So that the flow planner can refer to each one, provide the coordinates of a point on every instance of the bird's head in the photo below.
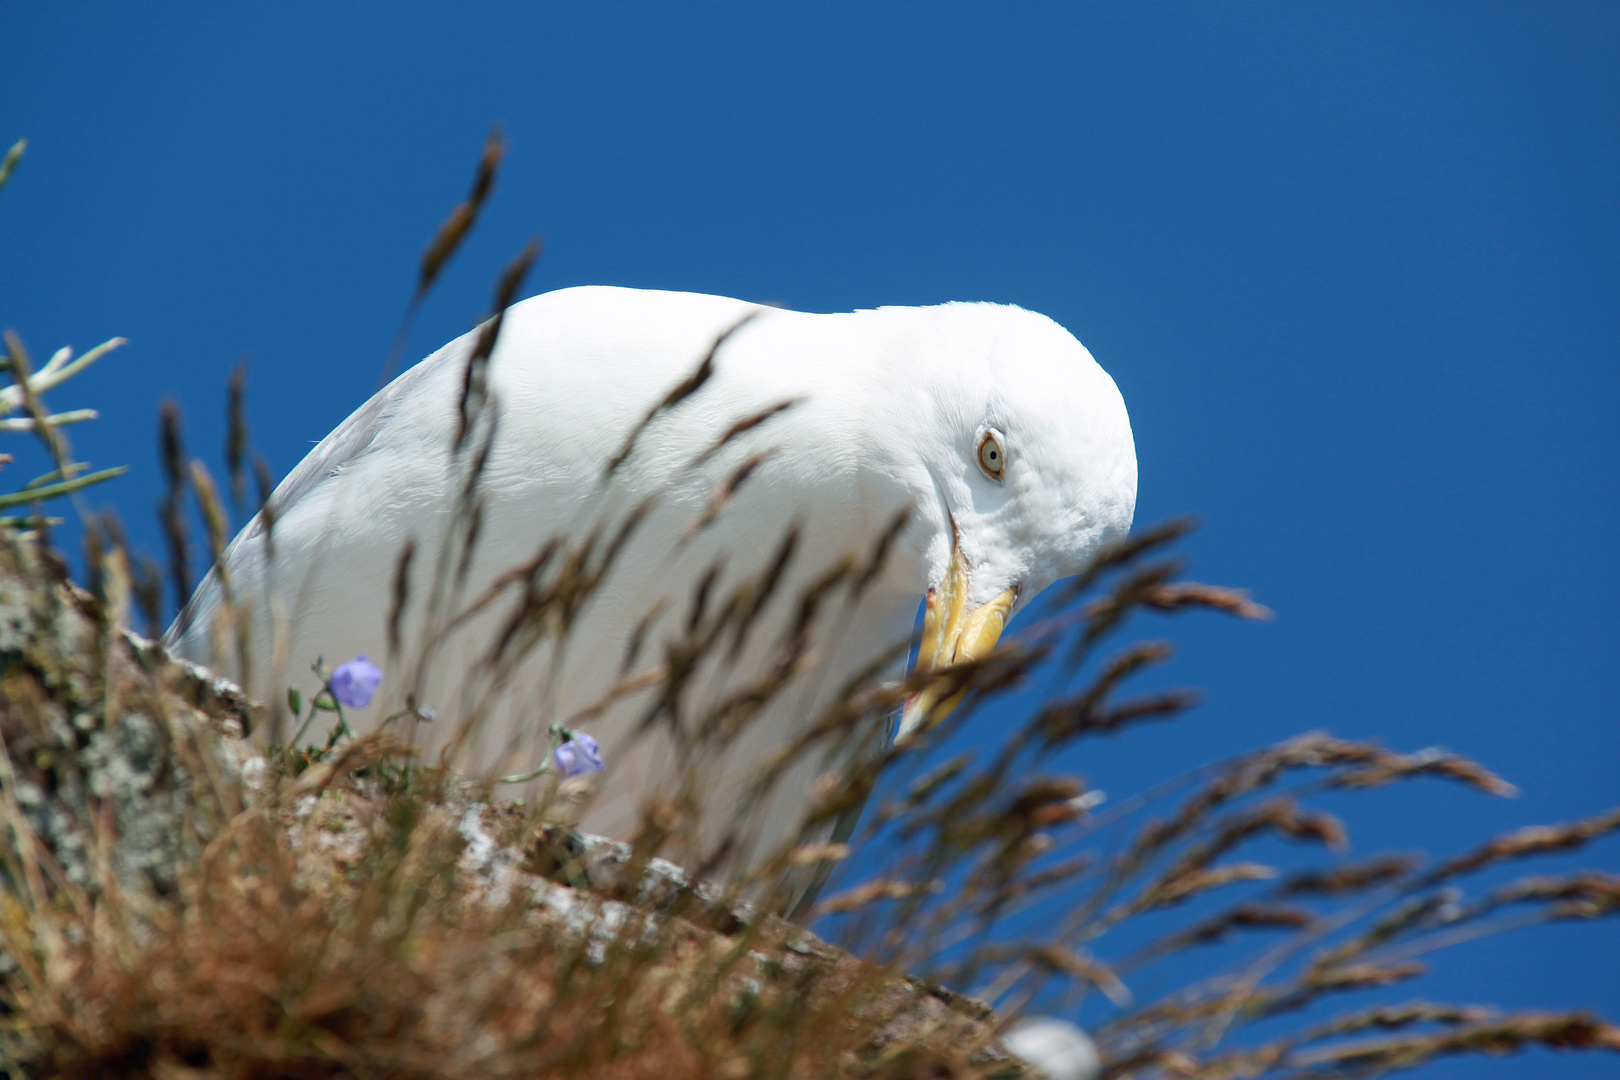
(1022, 464)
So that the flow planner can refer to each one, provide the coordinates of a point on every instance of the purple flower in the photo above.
(354, 683)
(579, 754)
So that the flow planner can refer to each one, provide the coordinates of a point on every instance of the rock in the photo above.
(104, 736)
(122, 767)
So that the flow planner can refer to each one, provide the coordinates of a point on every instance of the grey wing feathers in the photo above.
(843, 827)
(346, 444)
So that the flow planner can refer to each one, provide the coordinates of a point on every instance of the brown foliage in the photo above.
(174, 905)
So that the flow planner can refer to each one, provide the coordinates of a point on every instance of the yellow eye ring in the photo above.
(992, 455)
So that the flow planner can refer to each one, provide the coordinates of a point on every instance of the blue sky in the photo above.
(1354, 267)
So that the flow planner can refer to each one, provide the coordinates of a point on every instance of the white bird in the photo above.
(983, 437)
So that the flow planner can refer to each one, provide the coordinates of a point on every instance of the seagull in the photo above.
(813, 478)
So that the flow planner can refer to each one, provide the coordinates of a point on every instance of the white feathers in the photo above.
(836, 426)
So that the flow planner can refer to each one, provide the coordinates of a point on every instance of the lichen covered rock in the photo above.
(104, 735)
(172, 902)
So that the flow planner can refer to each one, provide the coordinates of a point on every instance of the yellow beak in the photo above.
(952, 634)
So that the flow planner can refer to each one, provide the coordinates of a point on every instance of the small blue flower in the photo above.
(354, 683)
(579, 754)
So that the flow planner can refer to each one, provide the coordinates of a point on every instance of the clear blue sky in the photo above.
(1353, 265)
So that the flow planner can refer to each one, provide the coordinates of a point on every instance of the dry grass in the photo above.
(343, 912)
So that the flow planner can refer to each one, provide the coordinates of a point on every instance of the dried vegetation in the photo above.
(175, 904)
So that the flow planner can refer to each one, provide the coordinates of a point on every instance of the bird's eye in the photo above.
(992, 458)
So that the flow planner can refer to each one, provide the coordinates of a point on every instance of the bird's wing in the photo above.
(843, 827)
(345, 445)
